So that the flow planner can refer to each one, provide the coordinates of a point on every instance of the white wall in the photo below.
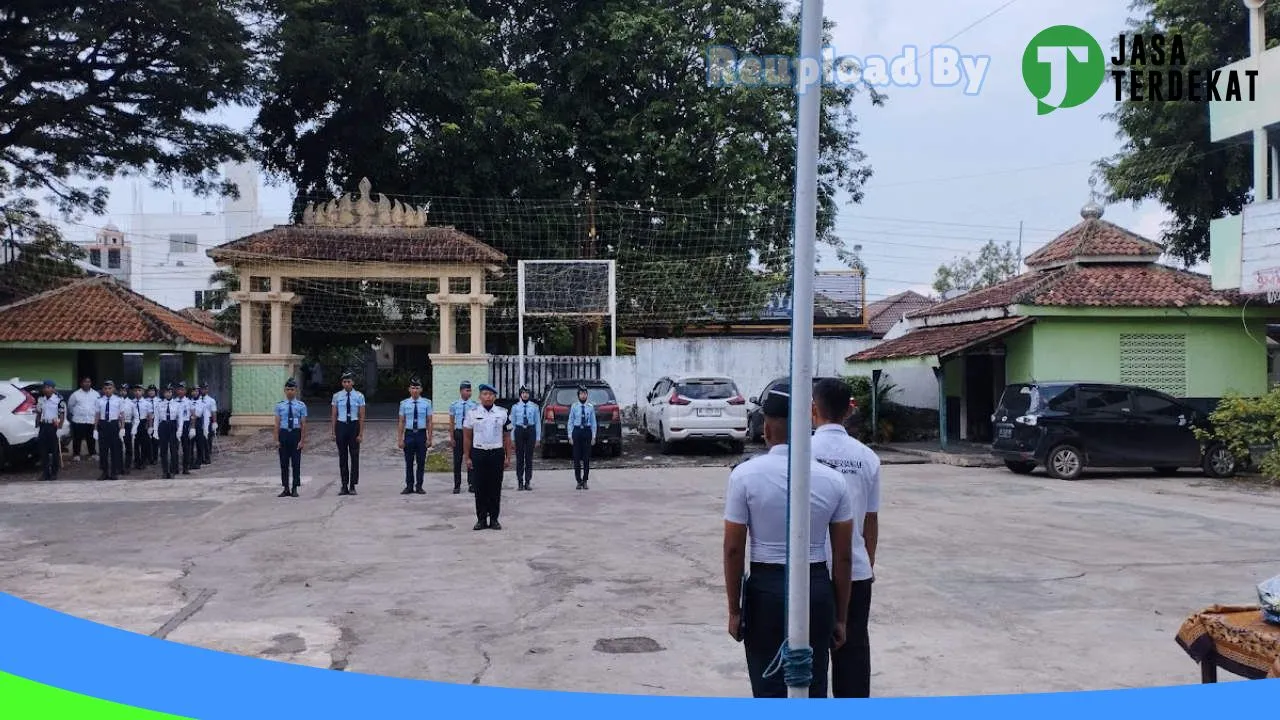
(751, 362)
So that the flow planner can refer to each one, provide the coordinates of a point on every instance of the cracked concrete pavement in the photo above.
(987, 582)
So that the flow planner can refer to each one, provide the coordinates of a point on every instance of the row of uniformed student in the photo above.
(844, 502)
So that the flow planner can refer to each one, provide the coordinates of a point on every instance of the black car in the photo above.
(1069, 426)
(557, 398)
(755, 416)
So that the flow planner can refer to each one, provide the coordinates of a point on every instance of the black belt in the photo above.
(773, 567)
(347, 422)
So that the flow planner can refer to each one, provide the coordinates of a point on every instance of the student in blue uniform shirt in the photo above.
(414, 428)
(291, 437)
(527, 423)
(185, 430)
(109, 432)
(582, 436)
(347, 422)
(458, 410)
(51, 412)
(170, 416)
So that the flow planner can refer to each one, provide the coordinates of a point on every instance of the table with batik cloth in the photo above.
(1234, 638)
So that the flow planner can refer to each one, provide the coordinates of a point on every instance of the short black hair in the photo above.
(832, 397)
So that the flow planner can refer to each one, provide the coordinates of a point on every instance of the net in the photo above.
(566, 287)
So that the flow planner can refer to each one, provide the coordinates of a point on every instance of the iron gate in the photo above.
(504, 372)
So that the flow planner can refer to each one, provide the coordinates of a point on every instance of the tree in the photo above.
(993, 265)
(602, 107)
(36, 258)
(1167, 155)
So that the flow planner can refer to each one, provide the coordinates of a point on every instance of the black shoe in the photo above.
(294, 493)
(284, 493)
(407, 491)
(167, 476)
(344, 491)
(186, 472)
(481, 525)
(419, 491)
(584, 486)
(471, 488)
(352, 491)
(102, 476)
(495, 525)
(457, 491)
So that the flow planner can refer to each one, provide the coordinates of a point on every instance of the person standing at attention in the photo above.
(458, 410)
(143, 409)
(210, 424)
(756, 509)
(347, 423)
(414, 430)
(291, 437)
(582, 437)
(526, 419)
(153, 398)
(82, 406)
(835, 448)
(109, 432)
(169, 419)
(487, 446)
(51, 412)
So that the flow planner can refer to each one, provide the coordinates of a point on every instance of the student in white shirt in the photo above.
(82, 409)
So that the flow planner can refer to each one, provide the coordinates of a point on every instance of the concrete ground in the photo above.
(987, 582)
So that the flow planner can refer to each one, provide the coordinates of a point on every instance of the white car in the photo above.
(18, 433)
(695, 407)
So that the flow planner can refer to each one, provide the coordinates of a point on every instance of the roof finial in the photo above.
(1092, 210)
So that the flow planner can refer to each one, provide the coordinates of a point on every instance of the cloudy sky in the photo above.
(951, 170)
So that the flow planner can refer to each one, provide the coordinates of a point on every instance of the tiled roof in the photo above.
(1096, 238)
(836, 296)
(100, 310)
(882, 315)
(401, 245)
(942, 340)
(1103, 285)
(204, 317)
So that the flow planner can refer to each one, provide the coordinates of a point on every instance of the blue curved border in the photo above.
(80, 656)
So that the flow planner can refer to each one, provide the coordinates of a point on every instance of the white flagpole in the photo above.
(809, 100)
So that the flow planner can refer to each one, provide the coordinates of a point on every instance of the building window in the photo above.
(113, 259)
(1155, 360)
(95, 258)
(182, 243)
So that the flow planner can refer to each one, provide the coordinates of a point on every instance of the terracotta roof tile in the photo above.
(941, 340)
(100, 310)
(1001, 295)
(882, 315)
(427, 244)
(1149, 285)
(1094, 237)
(199, 315)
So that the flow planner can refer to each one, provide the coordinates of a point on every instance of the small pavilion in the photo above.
(363, 235)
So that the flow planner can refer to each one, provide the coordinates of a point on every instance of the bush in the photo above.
(1248, 426)
(888, 412)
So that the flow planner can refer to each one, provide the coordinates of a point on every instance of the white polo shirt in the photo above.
(757, 498)
(860, 467)
(83, 406)
(487, 427)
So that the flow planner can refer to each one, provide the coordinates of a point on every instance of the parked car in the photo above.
(1069, 426)
(694, 407)
(557, 398)
(755, 417)
(18, 435)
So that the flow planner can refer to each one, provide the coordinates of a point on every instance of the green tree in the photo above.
(35, 256)
(602, 107)
(993, 264)
(1167, 155)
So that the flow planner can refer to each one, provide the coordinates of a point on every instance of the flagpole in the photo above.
(809, 101)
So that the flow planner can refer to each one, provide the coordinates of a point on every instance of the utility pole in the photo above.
(1019, 268)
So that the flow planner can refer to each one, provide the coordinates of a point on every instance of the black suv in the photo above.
(755, 416)
(560, 395)
(1067, 427)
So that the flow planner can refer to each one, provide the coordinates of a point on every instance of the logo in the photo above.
(1063, 67)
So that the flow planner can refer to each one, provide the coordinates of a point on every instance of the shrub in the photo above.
(1247, 426)
(888, 412)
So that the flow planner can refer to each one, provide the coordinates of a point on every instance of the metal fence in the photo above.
(504, 372)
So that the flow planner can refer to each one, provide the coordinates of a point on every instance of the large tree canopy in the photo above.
(1167, 155)
(602, 106)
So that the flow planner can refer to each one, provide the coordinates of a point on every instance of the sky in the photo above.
(951, 171)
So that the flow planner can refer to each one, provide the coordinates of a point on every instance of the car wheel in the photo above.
(664, 445)
(4, 454)
(1219, 462)
(1065, 463)
(648, 436)
(1166, 471)
(615, 450)
(737, 447)
(1019, 467)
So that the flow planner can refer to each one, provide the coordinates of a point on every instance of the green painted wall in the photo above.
(1221, 356)
(953, 376)
(37, 365)
(1019, 359)
(255, 389)
(446, 378)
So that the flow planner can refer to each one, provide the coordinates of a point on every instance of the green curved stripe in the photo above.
(22, 699)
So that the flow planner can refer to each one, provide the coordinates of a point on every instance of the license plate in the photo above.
(1006, 432)
(560, 426)
(708, 412)
(604, 426)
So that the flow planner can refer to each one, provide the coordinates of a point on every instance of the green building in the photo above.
(1095, 305)
(93, 328)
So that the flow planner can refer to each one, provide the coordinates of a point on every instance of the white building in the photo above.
(166, 251)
